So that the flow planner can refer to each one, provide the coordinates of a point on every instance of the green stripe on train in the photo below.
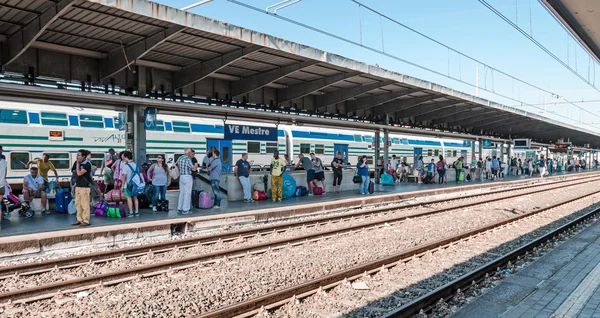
(176, 142)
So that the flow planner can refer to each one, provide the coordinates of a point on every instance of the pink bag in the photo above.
(205, 200)
(13, 199)
(114, 195)
(317, 191)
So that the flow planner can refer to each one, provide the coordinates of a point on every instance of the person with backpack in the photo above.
(337, 164)
(363, 171)
(458, 167)
(277, 170)
(83, 176)
(306, 163)
(319, 172)
(160, 178)
(133, 184)
(441, 169)
(215, 177)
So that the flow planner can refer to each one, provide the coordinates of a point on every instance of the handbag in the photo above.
(357, 179)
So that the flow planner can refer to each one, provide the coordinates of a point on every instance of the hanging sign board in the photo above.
(245, 132)
(522, 143)
(150, 118)
(56, 135)
(467, 143)
(487, 144)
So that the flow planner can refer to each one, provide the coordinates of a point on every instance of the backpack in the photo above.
(440, 165)
(301, 191)
(136, 184)
(387, 179)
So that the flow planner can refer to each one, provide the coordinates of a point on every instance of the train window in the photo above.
(225, 155)
(357, 138)
(304, 149)
(319, 149)
(117, 122)
(54, 119)
(97, 158)
(9, 116)
(18, 160)
(253, 147)
(176, 156)
(453, 153)
(272, 147)
(160, 126)
(91, 121)
(369, 138)
(181, 126)
(152, 157)
(430, 152)
(436, 153)
(61, 160)
(448, 153)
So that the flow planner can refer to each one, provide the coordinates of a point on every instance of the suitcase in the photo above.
(205, 200)
(195, 200)
(427, 179)
(63, 198)
(162, 205)
(371, 187)
(318, 191)
(143, 201)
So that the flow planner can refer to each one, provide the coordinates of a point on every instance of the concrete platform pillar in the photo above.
(472, 152)
(386, 148)
(480, 149)
(501, 151)
(136, 133)
(376, 163)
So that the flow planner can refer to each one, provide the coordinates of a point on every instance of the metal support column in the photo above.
(481, 149)
(473, 155)
(386, 149)
(136, 133)
(509, 152)
(376, 161)
(501, 152)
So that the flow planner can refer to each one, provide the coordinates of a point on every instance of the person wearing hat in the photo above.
(277, 170)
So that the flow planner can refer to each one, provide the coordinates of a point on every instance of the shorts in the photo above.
(2, 190)
(320, 175)
(310, 175)
(35, 195)
(126, 193)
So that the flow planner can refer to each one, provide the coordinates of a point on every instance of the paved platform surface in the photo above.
(563, 283)
(19, 225)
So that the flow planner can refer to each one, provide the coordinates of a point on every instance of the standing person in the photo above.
(488, 168)
(3, 188)
(319, 173)
(44, 166)
(288, 162)
(543, 166)
(530, 167)
(215, 177)
(495, 167)
(127, 174)
(363, 171)
(207, 160)
(337, 165)
(458, 166)
(479, 170)
(520, 166)
(83, 176)
(441, 169)
(576, 162)
(242, 173)
(394, 166)
(33, 187)
(277, 169)
(513, 166)
(1, 155)
(159, 175)
(117, 168)
(185, 181)
(420, 167)
(310, 171)
(106, 168)
(431, 168)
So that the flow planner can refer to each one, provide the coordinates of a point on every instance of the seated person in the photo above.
(33, 187)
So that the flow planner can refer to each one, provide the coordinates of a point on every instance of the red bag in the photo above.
(318, 191)
(101, 186)
(262, 195)
(115, 195)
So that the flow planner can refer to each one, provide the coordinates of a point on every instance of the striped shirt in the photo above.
(185, 166)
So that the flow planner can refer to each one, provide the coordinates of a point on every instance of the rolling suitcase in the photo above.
(205, 200)
(371, 187)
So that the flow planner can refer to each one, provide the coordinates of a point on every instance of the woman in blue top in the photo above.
(363, 171)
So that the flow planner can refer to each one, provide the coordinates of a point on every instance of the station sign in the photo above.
(487, 144)
(56, 135)
(467, 143)
(245, 132)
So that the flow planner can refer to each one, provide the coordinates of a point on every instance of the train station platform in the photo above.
(55, 227)
(563, 283)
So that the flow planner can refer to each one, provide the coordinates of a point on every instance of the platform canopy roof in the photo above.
(108, 42)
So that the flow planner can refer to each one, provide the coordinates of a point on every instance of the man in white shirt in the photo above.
(3, 189)
(33, 187)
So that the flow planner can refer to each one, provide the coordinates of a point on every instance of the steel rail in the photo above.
(283, 296)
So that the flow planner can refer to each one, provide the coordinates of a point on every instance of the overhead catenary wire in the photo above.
(306, 26)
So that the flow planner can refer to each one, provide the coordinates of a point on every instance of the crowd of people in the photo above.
(118, 171)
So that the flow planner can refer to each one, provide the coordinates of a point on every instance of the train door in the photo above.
(343, 149)
(224, 147)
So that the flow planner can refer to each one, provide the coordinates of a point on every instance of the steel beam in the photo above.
(395, 106)
(474, 118)
(201, 70)
(263, 79)
(345, 94)
(300, 90)
(507, 126)
(426, 109)
(120, 60)
(376, 100)
(498, 121)
(19, 42)
(439, 115)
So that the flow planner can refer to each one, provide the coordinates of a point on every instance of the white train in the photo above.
(29, 130)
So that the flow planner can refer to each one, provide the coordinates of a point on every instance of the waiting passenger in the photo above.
(319, 173)
(394, 166)
(215, 177)
(479, 169)
(310, 171)
(495, 167)
(363, 171)
(206, 161)
(160, 178)
(83, 177)
(431, 168)
(33, 187)
(420, 167)
(543, 166)
(530, 167)
(1, 155)
(106, 172)
(44, 165)
(3, 188)
(127, 174)
(288, 162)
(242, 173)
(337, 164)
(441, 169)
(277, 169)
(185, 181)
(458, 167)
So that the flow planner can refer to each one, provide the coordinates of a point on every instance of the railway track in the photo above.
(426, 303)
(74, 285)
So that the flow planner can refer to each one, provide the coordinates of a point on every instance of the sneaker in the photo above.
(179, 212)
(279, 200)
(153, 209)
(186, 212)
(130, 215)
(46, 212)
(137, 213)
(216, 207)
(274, 200)
(310, 194)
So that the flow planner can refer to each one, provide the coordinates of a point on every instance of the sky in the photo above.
(466, 26)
